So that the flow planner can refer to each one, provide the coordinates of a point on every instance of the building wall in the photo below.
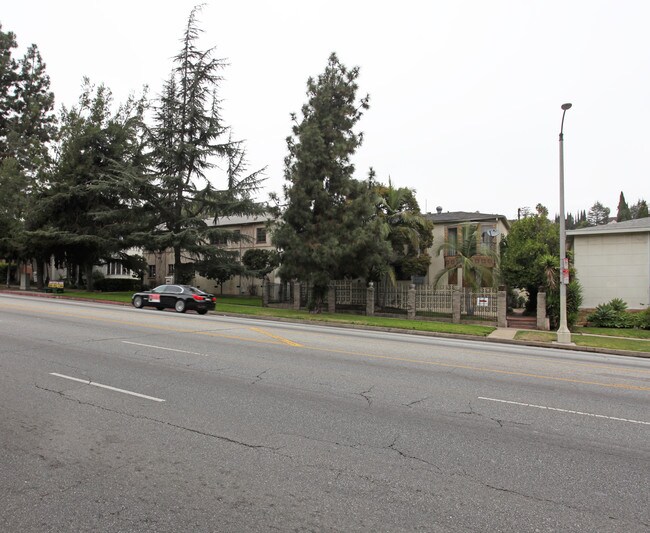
(614, 266)
(440, 237)
(162, 262)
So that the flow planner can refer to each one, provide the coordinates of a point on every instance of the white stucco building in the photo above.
(613, 261)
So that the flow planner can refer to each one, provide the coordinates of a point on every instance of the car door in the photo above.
(171, 295)
(155, 297)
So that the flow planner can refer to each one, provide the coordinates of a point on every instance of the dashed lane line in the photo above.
(115, 389)
(567, 411)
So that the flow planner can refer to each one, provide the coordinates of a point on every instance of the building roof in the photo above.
(241, 220)
(638, 225)
(451, 217)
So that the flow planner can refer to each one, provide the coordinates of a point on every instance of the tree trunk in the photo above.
(40, 274)
(89, 277)
(8, 273)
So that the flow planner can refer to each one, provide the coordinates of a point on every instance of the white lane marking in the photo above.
(569, 411)
(163, 348)
(88, 382)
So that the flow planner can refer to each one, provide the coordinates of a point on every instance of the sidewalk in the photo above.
(503, 334)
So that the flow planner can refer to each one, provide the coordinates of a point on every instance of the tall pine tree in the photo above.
(190, 144)
(639, 210)
(329, 229)
(623, 212)
(85, 217)
(27, 127)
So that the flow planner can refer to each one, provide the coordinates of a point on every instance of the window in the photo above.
(452, 277)
(117, 269)
(452, 241)
(261, 236)
(152, 271)
(237, 235)
(488, 238)
(170, 269)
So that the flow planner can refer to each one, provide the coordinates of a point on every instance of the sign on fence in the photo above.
(482, 301)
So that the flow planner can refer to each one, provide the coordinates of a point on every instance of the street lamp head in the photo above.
(566, 106)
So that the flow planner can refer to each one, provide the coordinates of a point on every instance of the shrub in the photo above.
(612, 315)
(573, 303)
(643, 319)
(618, 304)
(117, 284)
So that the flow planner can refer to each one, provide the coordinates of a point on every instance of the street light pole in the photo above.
(563, 333)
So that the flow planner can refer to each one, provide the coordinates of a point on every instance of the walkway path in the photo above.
(503, 333)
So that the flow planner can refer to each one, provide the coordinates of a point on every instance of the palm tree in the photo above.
(467, 252)
(409, 232)
(474, 273)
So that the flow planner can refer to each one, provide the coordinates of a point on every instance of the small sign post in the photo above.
(565, 271)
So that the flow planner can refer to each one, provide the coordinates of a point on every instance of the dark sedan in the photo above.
(179, 297)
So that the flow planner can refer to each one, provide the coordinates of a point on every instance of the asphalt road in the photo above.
(116, 419)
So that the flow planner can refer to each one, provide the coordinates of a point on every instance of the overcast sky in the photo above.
(465, 95)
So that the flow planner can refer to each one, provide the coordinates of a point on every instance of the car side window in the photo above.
(160, 289)
(174, 289)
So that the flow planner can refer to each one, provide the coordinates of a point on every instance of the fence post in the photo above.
(502, 309)
(455, 307)
(542, 322)
(296, 295)
(410, 303)
(370, 299)
(331, 298)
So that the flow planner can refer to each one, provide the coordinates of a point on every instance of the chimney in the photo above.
(439, 209)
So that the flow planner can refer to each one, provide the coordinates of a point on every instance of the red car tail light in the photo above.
(198, 298)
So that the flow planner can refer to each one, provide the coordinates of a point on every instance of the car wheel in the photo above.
(137, 302)
(201, 311)
(180, 306)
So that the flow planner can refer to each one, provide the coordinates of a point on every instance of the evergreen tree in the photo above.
(598, 214)
(623, 212)
(259, 262)
(329, 229)
(582, 220)
(188, 139)
(8, 82)
(27, 126)
(84, 214)
(639, 210)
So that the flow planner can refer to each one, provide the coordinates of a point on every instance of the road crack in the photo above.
(365, 393)
(393, 447)
(165, 423)
(258, 378)
(411, 404)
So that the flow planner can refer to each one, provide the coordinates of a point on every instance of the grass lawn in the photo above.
(252, 306)
(109, 296)
(633, 345)
(617, 332)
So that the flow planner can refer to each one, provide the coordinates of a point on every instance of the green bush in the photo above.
(613, 315)
(618, 304)
(117, 284)
(573, 303)
(643, 319)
